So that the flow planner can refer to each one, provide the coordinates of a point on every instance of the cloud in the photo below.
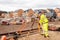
(10, 5)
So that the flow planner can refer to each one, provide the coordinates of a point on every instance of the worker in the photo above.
(44, 22)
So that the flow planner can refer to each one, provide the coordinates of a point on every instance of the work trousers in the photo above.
(45, 29)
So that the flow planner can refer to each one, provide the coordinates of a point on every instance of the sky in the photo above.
(11, 5)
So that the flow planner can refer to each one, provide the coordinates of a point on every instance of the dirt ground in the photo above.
(53, 35)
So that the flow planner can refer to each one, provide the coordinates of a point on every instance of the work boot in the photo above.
(46, 36)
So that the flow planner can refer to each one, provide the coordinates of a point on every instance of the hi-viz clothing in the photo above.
(44, 22)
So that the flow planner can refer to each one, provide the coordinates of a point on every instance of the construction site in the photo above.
(24, 24)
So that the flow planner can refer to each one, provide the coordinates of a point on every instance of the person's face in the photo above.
(42, 12)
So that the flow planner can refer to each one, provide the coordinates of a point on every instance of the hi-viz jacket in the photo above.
(43, 19)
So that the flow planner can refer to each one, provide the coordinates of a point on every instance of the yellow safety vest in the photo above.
(43, 19)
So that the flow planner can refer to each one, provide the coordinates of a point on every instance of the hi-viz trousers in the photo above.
(45, 29)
